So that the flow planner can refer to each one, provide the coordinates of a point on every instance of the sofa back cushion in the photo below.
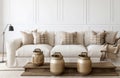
(51, 37)
(80, 37)
(86, 38)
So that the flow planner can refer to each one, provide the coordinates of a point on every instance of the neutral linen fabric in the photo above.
(69, 50)
(11, 47)
(112, 51)
(22, 61)
(118, 41)
(40, 37)
(86, 38)
(64, 38)
(15, 57)
(97, 37)
(27, 50)
(51, 36)
(95, 50)
(27, 38)
(110, 37)
(80, 38)
(68, 38)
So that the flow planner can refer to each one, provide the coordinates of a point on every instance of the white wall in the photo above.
(1, 23)
(70, 15)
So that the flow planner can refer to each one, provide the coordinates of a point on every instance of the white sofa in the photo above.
(18, 55)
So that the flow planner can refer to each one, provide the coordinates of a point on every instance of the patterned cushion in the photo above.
(68, 38)
(40, 37)
(27, 38)
(97, 38)
(110, 37)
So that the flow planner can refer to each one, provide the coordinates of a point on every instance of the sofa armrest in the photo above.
(11, 47)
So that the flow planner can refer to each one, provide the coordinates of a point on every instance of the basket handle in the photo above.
(84, 53)
(57, 54)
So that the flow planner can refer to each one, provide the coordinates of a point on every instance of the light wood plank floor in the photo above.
(16, 74)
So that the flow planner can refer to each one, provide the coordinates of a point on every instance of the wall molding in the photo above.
(111, 20)
(60, 10)
(106, 14)
(11, 14)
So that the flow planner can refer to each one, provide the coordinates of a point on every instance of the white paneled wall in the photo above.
(98, 11)
(47, 11)
(72, 11)
(58, 15)
(22, 11)
(1, 20)
(115, 11)
(65, 12)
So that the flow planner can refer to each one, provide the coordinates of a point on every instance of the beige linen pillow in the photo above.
(40, 37)
(68, 38)
(110, 37)
(97, 37)
(27, 38)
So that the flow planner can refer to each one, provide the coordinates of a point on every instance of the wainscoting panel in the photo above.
(73, 11)
(98, 11)
(115, 11)
(22, 11)
(47, 11)
(101, 27)
(1, 13)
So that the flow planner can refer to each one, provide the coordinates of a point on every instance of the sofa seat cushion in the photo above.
(69, 50)
(27, 50)
(95, 50)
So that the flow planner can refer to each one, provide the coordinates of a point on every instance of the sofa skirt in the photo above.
(21, 61)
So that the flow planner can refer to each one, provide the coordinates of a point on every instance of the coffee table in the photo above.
(98, 69)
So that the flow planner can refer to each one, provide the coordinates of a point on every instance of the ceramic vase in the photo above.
(84, 65)
(57, 64)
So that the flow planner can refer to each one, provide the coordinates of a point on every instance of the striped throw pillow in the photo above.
(68, 38)
(40, 37)
(97, 37)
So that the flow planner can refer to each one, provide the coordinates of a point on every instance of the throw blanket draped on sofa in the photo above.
(109, 51)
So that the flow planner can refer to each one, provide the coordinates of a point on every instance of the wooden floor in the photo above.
(17, 74)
